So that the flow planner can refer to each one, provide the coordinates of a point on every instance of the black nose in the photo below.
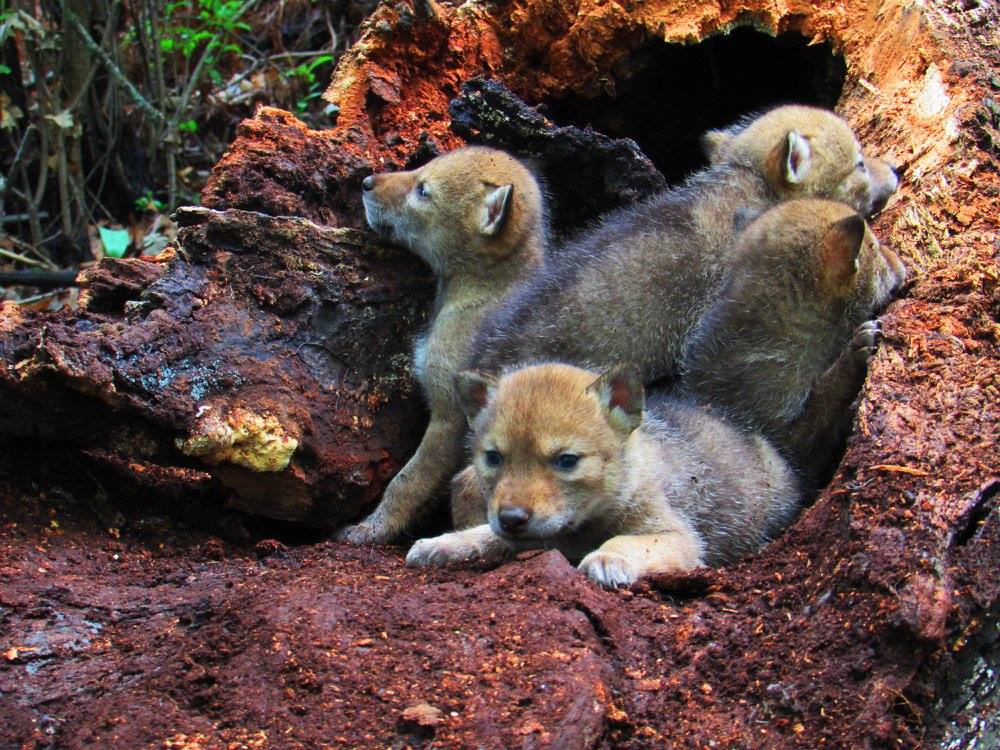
(514, 518)
(368, 183)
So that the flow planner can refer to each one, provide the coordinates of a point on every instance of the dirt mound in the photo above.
(872, 622)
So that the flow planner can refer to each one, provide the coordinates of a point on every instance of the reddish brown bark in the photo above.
(851, 630)
(250, 349)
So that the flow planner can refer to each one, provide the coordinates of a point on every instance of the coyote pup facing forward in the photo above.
(476, 216)
(566, 460)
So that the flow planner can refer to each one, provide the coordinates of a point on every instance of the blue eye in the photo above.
(493, 458)
(422, 191)
(566, 461)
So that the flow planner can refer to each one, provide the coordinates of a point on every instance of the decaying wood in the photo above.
(861, 626)
(249, 353)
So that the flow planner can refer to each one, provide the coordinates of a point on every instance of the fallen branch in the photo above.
(39, 279)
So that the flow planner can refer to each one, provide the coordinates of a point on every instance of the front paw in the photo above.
(609, 569)
(370, 531)
(865, 341)
(441, 550)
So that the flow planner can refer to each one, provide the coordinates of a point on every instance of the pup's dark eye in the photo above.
(566, 461)
(861, 165)
(422, 191)
(493, 458)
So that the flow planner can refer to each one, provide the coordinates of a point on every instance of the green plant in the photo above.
(148, 204)
(307, 72)
(211, 26)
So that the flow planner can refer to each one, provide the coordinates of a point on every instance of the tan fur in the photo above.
(786, 346)
(633, 288)
(838, 169)
(674, 490)
(476, 216)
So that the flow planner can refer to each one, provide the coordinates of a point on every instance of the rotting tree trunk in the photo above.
(248, 355)
(851, 630)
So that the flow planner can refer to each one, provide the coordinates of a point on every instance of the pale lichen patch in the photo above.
(257, 442)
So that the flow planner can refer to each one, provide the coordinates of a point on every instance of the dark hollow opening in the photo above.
(680, 91)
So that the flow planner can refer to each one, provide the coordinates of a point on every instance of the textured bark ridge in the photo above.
(247, 356)
(871, 622)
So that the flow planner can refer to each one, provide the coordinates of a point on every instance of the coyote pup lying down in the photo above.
(632, 288)
(568, 460)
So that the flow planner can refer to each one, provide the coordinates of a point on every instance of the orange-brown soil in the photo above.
(857, 628)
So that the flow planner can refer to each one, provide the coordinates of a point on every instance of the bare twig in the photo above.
(37, 298)
(109, 31)
(110, 66)
(42, 260)
(39, 279)
(18, 218)
(11, 255)
(7, 183)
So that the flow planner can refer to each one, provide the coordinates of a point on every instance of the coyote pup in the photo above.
(632, 289)
(787, 344)
(476, 216)
(566, 460)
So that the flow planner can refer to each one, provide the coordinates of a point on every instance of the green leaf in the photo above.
(317, 61)
(188, 126)
(4, 70)
(115, 241)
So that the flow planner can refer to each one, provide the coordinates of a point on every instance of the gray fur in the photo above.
(630, 290)
(731, 484)
(782, 351)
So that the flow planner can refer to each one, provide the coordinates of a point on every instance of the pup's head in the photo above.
(820, 253)
(464, 209)
(548, 446)
(806, 152)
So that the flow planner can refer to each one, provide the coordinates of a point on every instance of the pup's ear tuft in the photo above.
(841, 248)
(621, 394)
(473, 390)
(798, 155)
(496, 208)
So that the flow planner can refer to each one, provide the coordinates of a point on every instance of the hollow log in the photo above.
(249, 354)
(871, 622)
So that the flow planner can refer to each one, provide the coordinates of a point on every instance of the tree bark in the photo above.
(856, 628)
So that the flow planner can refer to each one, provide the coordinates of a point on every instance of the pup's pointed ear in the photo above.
(473, 390)
(798, 155)
(712, 142)
(841, 248)
(496, 207)
(621, 394)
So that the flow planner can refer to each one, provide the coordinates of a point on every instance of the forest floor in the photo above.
(122, 628)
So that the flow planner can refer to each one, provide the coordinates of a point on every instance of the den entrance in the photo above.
(681, 91)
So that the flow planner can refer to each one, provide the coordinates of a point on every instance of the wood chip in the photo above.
(423, 714)
(901, 470)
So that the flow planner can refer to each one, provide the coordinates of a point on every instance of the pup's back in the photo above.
(806, 274)
(632, 289)
(629, 290)
(734, 486)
